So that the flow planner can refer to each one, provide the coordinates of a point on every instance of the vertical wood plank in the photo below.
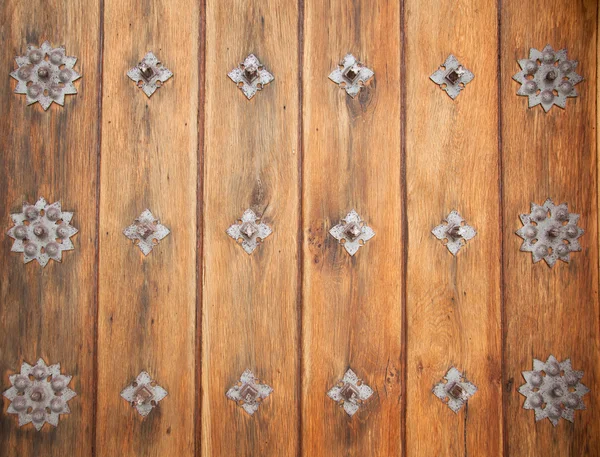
(352, 305)
(454, 303)
(50, 312)
(147, 305)
(550, 311)
(251, 159)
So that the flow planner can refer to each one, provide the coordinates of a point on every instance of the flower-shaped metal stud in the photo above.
(249, 231)
(39, 394)
(45, 75)
(553, 390)
(350, 393)
(42, 232)
(149, 74)
(454, 390)
(452, 77)
(352, 232)
(251, 76)
(248, 392)
(454, 232)
(351, 75)
(146, 231)
(550, 232)
(548, 78)
(143, 394)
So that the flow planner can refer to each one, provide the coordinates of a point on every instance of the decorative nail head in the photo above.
(352, 232)
(454, 390)
(143, 394)
(454, 232)
(146, 231)
(350, 393)
(251, 76)
(149, 74)
(351, 75)
(249, 231)
(248, 392)
(452, 77)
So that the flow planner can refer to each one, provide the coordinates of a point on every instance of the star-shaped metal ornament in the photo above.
(350, 393)
(251, 76)
(249, 231)
(149, 74)
(455, 390)
(39, 394)
(352, 232)
(45, 75)
(144, 394)
(249, 393)
(452, 77)
(454, 232)
(351, 75)
(553, 390)
(146, 231)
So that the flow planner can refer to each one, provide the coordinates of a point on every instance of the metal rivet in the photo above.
(553, 240)
(143, 394)
(39, 404)
(38, 78)
(249, 393)
(249, 232)
(149, 74)
(454, 232)
(250, 76)
(146, 231)
(350, 393)
(555, 82)
(352, 232)
(455, 390)
(351, 75)
(452, 77)
(557, 394)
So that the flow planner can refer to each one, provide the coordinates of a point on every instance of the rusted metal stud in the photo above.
(144, 394)
(149, 74)
(452, 77)
(249, 231)
(454, 232)
(350, 393)
(352, 232)
(39, 394)
(454, 390)
(248, 392)
(146, 231)
(351, 75)
(251, 76)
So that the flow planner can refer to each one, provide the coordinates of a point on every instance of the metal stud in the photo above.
(144, 394)
(454, 390)
(350, 393)
(39, 394)
(351, 75)
(248, 392)
(352, 232)
(249, 231)
(548, 78)
(149, 74)
(454, 232)
(250, 76)
(146, 231)
(452, 77)
(45, 75)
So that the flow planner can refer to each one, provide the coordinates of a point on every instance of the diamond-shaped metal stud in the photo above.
(455, 390)
(42, 232)
(45, 75)
(351, 75)
(249, 393)
(547, 78)
(454, 232)
(350, 393)
(149, 74)
(143, 394)
(250, 76)
(452, 77)
(249, 231)
(352, 232)
(39, 394)
(550, 232)
(553, 390)
(146, 231)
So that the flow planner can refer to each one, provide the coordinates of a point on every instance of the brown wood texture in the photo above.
(251, 160)
(50, 312)
(352, 305)
(550, 311)
(147, 305)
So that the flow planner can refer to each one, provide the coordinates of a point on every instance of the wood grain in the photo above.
(149, 160)
(550, 311)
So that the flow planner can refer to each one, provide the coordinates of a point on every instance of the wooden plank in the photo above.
(149, 160)
(352, 305)
(251, 160)
(550, 311)
(453, 302)
(50, 312)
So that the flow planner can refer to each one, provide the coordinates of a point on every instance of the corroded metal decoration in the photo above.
(454, 390)
(352, 232)
(42, 232)
(351, 75)
(550, 232)
(39, 394)
(146, 231)
(452, 77)
(251, 76)
(45, 75)
(548, 78)
(143, 394)
(454, 232)
(149, 74)
(350, 393)
(248, 392)
(249, 231)
(553, 390)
